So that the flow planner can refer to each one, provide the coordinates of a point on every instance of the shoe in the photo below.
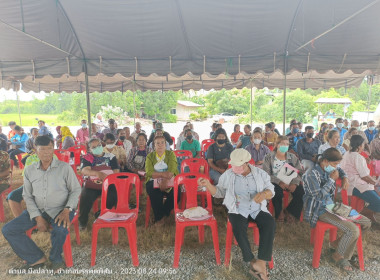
(57, 267)
(82, 227)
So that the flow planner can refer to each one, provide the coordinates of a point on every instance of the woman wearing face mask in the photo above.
(361, 183)
(273, 164)
(333, 140)
(160, 168)
(319, 185)
(218, 154)
(191, 144)
(96, 164)
(118, 151)
(245, 190)
(137, 156)
(257, 149)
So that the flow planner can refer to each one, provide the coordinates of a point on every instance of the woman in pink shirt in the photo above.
(361, 183)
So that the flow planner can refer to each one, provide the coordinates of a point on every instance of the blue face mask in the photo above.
(339, 125)
(329, 168)
(97, 151)
(371, 128)
(295, 130)
(283, 149)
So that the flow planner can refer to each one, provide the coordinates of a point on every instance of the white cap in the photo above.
(239, 157)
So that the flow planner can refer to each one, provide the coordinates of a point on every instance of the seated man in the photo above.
(293, 137)
(91, 166)
(51, 192)
(83, 133)
(123, 142)
(307, 148)
(165, 134)
(191, 144)
(245, 139)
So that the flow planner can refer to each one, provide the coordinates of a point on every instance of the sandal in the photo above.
(344, 265)
(257, 275)
(28, 266)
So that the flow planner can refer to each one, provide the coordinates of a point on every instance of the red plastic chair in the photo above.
(256, 239)
(62, 155)
(78, 150)
(194, 165)
(357, 203)
(19, 158)
(205, 145)
(67, 252)
(189, 181)
(123, 182)
(317, 236)
(174, 147)
(183, 153)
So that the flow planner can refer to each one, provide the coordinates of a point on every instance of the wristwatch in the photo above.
(68, 207)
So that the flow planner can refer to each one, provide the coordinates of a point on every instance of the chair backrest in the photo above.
(183, 153)
(206, 144)
(190, 182)
(62, 155)
(123, 183)
(194, 164)
(78, 150)
(174, 147)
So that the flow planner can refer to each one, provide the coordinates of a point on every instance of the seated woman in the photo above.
(257, 149)
(321, 133)
(270, 137)
(236, 135)
(160, 168)
(346, 143)
(319, 185)
(137, 156)
(18, 143)
(273, 165)
(333, 140)
(218, 154)
(67, 138)
(375, 147)
(361, 183)
(118, 151)
(245, 190)
(181, 138)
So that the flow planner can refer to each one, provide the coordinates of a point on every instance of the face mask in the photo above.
(324, 129)
(339, 125)
(110, 146)
(122, 138)
(153, 130)
(238, 169)
(310, 135)
(257, 141)
(371, 128)
(295, 130)
(84, 125)
(189, 137)
(221, 141)
(329, 168)
(283, 149)
(97, 151)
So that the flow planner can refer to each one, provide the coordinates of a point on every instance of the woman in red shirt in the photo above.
(236, 135)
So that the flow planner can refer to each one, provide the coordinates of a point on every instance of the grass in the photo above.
(31, 119)
(295, 237)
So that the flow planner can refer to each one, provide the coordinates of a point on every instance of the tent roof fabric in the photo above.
(179, 44)
(188, 103)
(334, 100)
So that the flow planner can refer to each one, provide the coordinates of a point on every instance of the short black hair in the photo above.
(109, 136)
(111, 121)
(309, 127)
(355, 142)
(119, 130)
(17, 127)
(11, 123)
(41, 121)
(338, 120)
(43, 141)
(187, 130)
(269, 125)
(142, 134)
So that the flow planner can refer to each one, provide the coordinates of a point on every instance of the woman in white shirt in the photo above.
(333, 140)
(361, 183)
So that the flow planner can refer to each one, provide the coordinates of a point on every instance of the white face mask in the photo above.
(257, 141)
(110, 146)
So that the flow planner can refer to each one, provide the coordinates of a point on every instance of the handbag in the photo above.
(341, 209)
(287, 173)
(95, 183)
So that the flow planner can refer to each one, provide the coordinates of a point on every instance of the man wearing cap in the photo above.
(245, 190)
(137, 131)
(111, 128)
(166, 135)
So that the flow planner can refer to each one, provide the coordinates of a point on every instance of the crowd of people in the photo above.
(247, 170)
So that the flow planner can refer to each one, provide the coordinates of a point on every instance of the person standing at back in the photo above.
(245, 139)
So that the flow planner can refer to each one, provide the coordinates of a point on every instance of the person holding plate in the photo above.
(160, 168)
(246, 189)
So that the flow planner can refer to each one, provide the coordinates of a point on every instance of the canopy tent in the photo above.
(333, 101)
(178, 44)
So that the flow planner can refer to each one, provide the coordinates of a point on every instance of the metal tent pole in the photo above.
(88, 101)
(370, 81)
(134, 104)
(251, 103)
(18, 103)
(284, 100)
